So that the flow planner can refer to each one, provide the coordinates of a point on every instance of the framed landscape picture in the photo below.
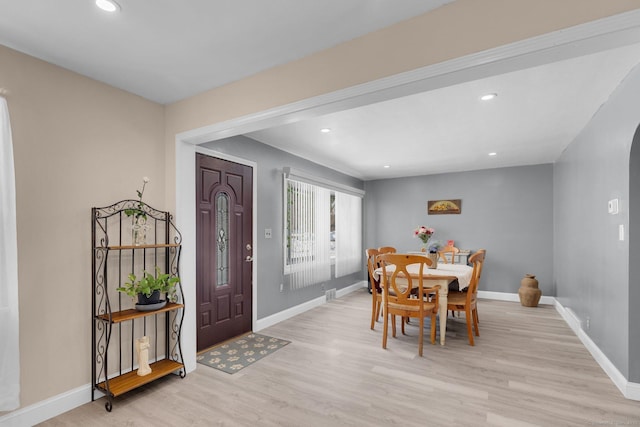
(442, 207)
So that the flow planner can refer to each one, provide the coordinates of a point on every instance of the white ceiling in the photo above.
(178, 49)
(537, 113)
(167, 50)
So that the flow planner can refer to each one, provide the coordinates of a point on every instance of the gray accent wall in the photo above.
(507, 211)
(270, 259)
(592, 272)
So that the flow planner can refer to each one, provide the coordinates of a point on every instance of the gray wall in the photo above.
(269, 263)
(592, 266)
(634, 259)
(507, 211)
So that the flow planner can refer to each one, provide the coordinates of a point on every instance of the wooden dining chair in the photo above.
(387, 250)
(376, 290)
(448, 254)
(406, 296)
(467, 300)
(484, 257)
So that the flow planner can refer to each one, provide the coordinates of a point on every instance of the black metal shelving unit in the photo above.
(116, 323)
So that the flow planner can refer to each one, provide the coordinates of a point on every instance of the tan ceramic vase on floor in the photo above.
(529, 292)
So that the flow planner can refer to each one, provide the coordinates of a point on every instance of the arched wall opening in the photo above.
(634, 258)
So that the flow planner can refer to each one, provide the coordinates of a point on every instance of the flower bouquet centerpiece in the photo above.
(424, 234)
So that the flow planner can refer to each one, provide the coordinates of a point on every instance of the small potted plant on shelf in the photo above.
(149, 288)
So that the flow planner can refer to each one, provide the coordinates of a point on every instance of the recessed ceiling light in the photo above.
(488, 96)
(108, 5)
(325, 130)
(386, 166)
(493, 154)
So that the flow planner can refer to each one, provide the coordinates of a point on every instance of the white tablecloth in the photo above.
(462, 272)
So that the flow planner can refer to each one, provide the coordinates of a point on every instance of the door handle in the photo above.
(248, 259)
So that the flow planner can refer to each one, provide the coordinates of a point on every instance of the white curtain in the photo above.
(308, 228)
(348, 234)
(9, 350)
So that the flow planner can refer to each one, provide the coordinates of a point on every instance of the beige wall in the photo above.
(77, 144)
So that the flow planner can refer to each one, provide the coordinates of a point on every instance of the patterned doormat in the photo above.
(241, 352)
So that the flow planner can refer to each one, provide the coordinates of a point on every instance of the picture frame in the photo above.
(444, 207)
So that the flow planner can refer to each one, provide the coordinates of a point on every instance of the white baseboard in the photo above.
(355, 287)
(48, 408)
(506, 296)
(71, 399)
(288, 313)
(629, 390)
(301, 308)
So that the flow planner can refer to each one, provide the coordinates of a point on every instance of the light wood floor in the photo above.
(527, 368)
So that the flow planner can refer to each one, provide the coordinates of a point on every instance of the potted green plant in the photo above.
(149, 288)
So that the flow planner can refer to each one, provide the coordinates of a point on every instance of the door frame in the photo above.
(186, 223)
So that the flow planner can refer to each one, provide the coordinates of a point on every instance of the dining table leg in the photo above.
(442, 302)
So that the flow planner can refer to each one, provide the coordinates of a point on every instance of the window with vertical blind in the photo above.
(320, 224)
(348, 237)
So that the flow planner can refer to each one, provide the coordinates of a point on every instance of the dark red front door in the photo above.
(224, 194)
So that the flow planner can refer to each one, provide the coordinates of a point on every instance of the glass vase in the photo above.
(139, 231)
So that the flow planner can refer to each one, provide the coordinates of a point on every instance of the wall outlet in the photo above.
(588, 323)
(612, 206)
(281, 287)
(267, 233)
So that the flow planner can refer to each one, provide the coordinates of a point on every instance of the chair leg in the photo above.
(433, 328)
(475, 321)
(393, 325)
(420, 337)
(374, 312)
(468, 316)
(402, 323)
(384, 331)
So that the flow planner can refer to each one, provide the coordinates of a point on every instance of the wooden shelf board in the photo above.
(129, 381)
(132, 313)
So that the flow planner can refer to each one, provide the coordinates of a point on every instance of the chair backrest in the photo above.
(484, 257)
(451, 252)
(372, 264)
(399, 286)
(387, 250)
(477, 260)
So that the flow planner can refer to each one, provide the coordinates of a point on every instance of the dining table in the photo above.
(443, 275)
